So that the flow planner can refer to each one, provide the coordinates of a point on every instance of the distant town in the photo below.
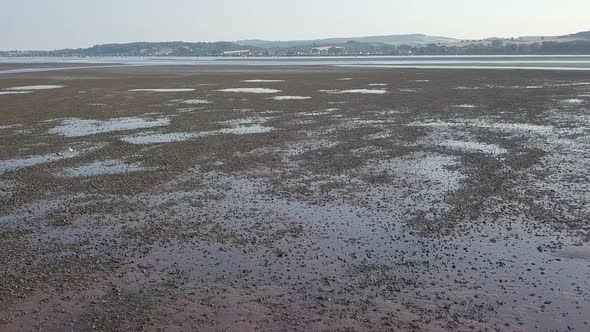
(402, 45)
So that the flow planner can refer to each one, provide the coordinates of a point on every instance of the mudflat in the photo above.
(284, 198)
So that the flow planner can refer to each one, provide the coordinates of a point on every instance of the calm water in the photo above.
(581, 62)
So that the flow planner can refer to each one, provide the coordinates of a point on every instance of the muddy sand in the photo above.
(291, 199)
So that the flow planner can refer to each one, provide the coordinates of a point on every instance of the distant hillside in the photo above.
(166, 48)
(142, 49)
(579, 35)
(413, 39)
(416, 44)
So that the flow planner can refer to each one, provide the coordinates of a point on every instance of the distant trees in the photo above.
(497, 43)
(495, 47)
(335, 50)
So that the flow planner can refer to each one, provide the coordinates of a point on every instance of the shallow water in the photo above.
(245, 126)
(357, 91)
(3, 127)
(106, 167)
(250, 90)
(573, 101)
(76, 127)
(8, 187)
(262, 81)
(190, 109)
(319, 113)
(495, 86)
(491, 149)
(289, 98)
(162, 90)
(35, 87)
(195, 102)
(252, 125)
(246, 129)
(393, 261)
(14, 92)
(159, 138)
(11, 165)
(512, 127)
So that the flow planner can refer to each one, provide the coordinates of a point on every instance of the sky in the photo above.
(55, 24)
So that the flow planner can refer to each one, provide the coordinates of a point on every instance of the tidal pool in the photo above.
(162, 90)
(357, 91)
(289, 98)
(76, 127)
(262, 81)
(104, 167)
(250, 90)
(11, 165)
(34, 87)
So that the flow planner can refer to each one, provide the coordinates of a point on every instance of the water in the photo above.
(75, 127)
(357, 91)
(262, 81)
(289, 98)
(193, 101)
(251, 90)
(34, 87)
(159, 138)
(574, 101)
(11, 165)
(162, 90)
(106, 167)
(246, 126)
(14, 92)
(507, 127)
(245, 129)
(491, 149)
(545, 62)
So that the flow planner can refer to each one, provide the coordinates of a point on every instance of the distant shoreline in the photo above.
(395, 45)
(533, 55)
(18, 65)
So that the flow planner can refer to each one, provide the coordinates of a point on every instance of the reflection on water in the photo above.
(75, 127)
(246, 126)
(159, 138)
(11, 165)
(35, 87)
(105, 167)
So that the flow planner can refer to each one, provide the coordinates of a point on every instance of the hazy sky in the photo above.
(50, 24)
